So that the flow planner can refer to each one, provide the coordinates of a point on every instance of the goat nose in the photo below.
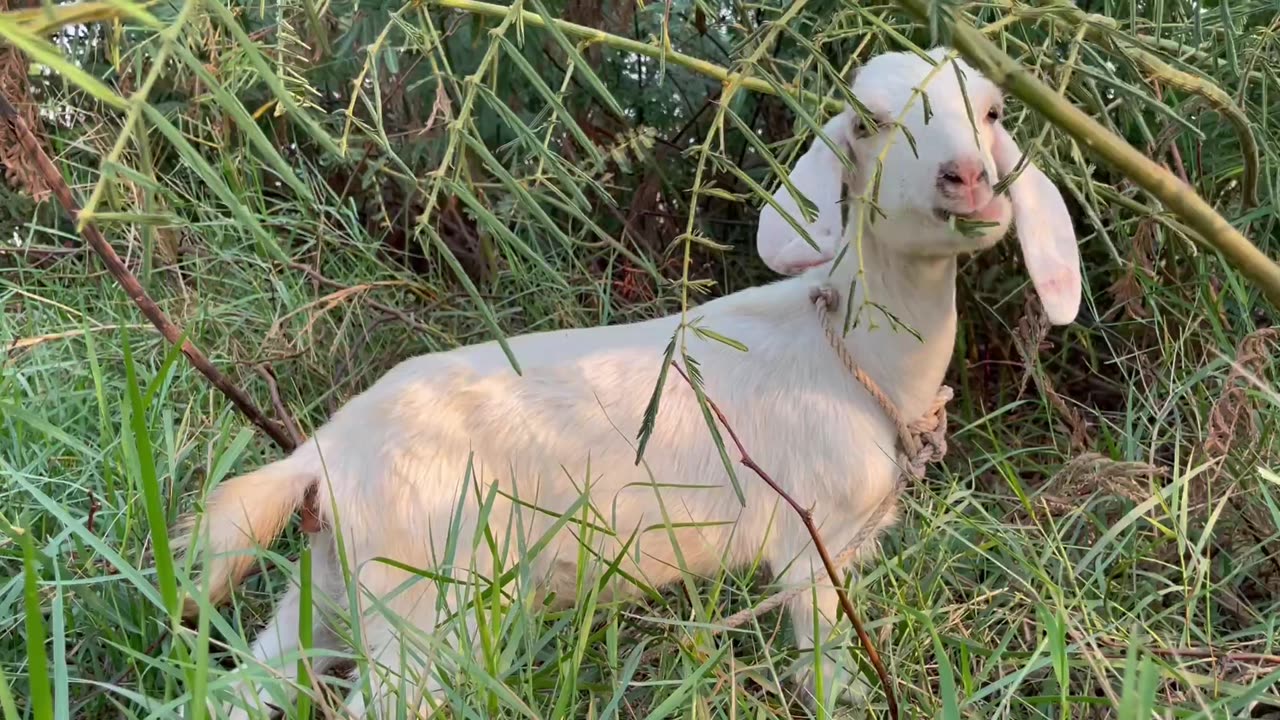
(965, 173)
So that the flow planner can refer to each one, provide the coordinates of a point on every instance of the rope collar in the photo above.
(923, 440)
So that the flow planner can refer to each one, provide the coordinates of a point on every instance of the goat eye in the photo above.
(993, 114)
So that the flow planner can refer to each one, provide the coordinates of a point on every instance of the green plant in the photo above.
(329, 188)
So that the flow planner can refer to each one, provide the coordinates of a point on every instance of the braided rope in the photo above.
(922, 441)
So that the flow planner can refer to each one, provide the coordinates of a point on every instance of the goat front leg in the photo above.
(823, 644)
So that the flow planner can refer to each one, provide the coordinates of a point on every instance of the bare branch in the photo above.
(130, 283)
(290, 425)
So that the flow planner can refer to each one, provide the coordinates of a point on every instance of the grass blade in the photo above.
(153, 501)
(41, 692)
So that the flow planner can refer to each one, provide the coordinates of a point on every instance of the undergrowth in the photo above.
(317, 191)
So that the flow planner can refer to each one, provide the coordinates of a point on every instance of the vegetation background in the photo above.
(316, 190)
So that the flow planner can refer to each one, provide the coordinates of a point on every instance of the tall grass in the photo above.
(329, 188)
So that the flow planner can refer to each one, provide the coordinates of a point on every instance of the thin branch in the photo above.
(1208, 653)
(1190, 653)
(1217, 99)
(806, 516)
(130, 283)
(94, 507)
(290, 425)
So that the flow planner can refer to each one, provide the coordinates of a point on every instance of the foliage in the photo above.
(329, 188)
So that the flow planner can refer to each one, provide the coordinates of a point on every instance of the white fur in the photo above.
(395, 459)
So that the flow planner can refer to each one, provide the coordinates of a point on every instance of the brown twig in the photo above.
(130, 283)
(1193, 653)
(94, 507)
(311, 521)
(394, 312)
(1168, 140)
(290, 425)
(1208, 653)
(806, 516)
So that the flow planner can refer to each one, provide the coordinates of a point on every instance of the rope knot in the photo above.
(930, 435)
(825, 297)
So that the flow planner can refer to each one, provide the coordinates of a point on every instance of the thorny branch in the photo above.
(807, 518)
(129, 282)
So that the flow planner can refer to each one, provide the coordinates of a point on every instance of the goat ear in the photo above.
(818, 175)
(1044, 231)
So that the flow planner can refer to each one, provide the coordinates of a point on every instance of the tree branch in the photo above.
(129, 282)
(618, 42)
(807, 518)
(972, 43)
(282, 411)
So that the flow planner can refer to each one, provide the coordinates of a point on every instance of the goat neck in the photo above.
(918, 293)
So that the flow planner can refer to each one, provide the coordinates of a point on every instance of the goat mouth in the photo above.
(985, 215)
(947, 216)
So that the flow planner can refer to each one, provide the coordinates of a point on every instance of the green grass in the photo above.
(558, 198)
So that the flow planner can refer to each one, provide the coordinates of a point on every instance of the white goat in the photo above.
(418, 455)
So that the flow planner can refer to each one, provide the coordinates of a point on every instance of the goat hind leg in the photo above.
(280, 638)
(407, 670)
(271, 646)
(398, 676)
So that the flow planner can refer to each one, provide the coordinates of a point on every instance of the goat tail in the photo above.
(242, 513)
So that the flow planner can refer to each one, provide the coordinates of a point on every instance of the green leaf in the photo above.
(650, 419)
(580, 65)
(265, 73)
(486, 312)
(695, 377)
(40, 698)
(43, 52)
(153, 500)
(246, 123)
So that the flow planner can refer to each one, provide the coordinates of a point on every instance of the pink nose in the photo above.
(963, 174)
